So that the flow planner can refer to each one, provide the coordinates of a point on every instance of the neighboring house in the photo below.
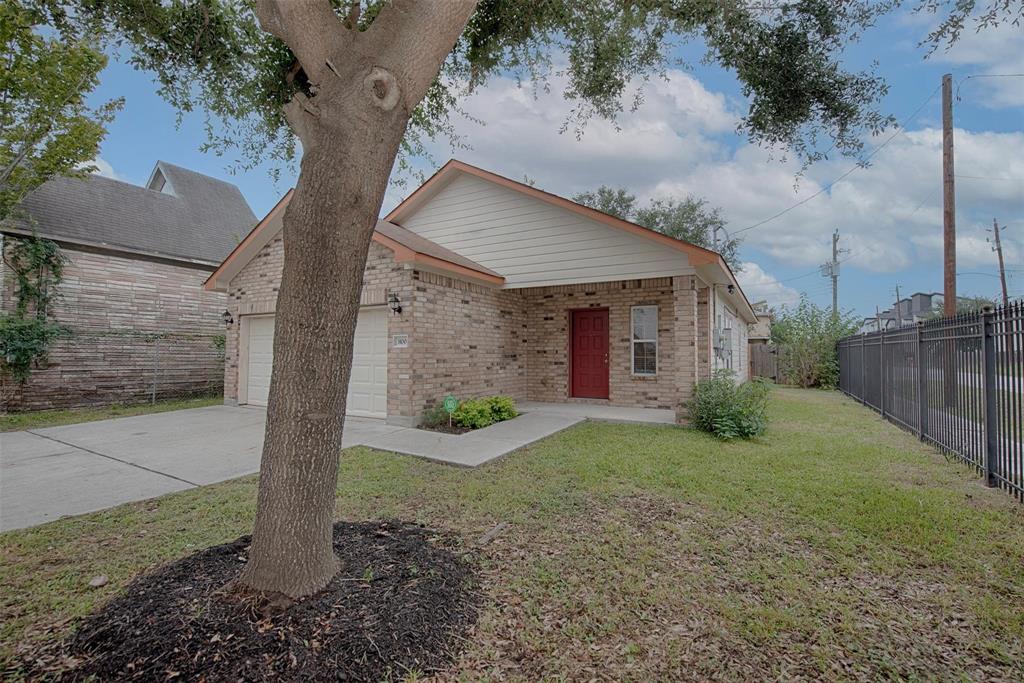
(504, 289)
(142, 324)
(907, 311)
(761, 331)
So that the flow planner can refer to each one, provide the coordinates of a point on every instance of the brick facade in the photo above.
(467, 339)
(472, 340)
(139, 327)
(548, 322)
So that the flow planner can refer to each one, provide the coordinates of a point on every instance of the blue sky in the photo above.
(682, 141)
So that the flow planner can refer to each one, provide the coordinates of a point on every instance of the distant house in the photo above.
(906, 312)
(142, 325)
(761, 331)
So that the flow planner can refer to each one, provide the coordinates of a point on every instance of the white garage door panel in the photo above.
(368, 385)
(261, 358)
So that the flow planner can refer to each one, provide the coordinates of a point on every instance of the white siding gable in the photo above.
(532, 243)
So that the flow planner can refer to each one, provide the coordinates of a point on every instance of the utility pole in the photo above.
(835, 273)
(948, 200)
(998, 248)
(899, 314)
(831, 270)
(878, 318)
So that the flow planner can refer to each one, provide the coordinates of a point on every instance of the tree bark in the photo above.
(364, 88)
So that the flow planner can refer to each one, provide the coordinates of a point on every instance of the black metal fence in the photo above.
(957, 383)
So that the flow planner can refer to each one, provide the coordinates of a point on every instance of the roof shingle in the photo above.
(196, 218)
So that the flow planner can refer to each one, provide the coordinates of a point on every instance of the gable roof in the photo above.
(709, 264)
(698, 255)
(195, 218)
(407, 246)
(412, 247)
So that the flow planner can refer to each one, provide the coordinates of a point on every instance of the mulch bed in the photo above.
(401, 603)
(445, 429)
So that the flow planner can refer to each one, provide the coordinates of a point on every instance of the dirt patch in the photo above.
(400, 604)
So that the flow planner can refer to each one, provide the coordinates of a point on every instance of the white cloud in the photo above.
(103, 168)
(998, 50)
(520, 135)
(759, 285)
(889, 214)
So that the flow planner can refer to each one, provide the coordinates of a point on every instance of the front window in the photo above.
(645, 340)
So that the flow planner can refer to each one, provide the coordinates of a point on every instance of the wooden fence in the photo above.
(764, 361)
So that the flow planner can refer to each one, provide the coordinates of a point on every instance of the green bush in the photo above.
(503, 408)
(476, 413)
(806, 338)
(727, 410)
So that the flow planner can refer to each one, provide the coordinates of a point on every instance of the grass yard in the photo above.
(834, 547)
(14, 422)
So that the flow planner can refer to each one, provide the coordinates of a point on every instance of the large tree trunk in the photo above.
(365, 86)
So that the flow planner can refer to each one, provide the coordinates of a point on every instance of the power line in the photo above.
(960, 83)
(982, 177)
(826, 188)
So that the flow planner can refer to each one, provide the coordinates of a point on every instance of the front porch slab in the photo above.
(604, 413)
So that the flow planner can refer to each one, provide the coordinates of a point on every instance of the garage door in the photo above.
(368, 386)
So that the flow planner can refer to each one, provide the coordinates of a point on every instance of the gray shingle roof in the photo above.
(196, 218)
(422, 245)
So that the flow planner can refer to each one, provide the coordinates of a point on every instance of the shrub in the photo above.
(806, 337)
(727, 410)
(434, 417)
(476, 413)
(503, 408)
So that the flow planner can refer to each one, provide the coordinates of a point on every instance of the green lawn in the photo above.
(13, 422)
(834, 547)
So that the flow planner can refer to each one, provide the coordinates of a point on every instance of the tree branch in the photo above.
(310, 29)
(411, 39)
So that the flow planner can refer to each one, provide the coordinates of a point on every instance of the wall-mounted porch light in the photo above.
(227, 317)
(394, 304)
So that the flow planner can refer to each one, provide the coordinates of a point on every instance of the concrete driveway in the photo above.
(46, 474)
(49, 473)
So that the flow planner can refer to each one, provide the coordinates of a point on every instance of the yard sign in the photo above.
(450, 404)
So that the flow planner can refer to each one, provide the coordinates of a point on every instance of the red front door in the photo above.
(590, 353)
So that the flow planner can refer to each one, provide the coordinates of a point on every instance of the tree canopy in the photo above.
(690, 219)
(46, 125)
(214, 57)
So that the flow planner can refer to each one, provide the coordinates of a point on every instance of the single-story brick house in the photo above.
(142, 324)
(504, 289)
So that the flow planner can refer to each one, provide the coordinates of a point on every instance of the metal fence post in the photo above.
(881, 373)
(863, 364)
(991, 414)
(922, 385)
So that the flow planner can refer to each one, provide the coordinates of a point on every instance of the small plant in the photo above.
(727, 410)
(481, 412)
(434, 417)
(474, 413)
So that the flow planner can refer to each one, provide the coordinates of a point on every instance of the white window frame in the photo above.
(633, 342)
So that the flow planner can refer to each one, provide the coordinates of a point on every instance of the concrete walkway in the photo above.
(50, 473)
